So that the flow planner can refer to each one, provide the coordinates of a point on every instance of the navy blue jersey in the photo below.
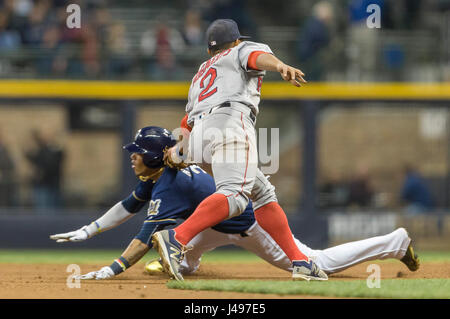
(175, 195)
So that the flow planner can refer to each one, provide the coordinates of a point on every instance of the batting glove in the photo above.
(104, 273)
(74, 236)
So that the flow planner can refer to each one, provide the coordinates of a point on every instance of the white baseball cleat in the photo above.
(307, 270)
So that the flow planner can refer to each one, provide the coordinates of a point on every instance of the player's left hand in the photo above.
(104, 273)
(77, 235)
(291, 74)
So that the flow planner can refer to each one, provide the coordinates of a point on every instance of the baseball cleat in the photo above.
(170, 251)
(154, 267)
(411, 260)
(307, 270)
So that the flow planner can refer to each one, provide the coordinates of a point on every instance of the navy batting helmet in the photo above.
(151, 141)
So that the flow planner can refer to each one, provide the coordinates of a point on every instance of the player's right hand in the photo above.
(291, 74)
(74, 236)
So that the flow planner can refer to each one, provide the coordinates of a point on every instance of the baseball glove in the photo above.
(173, 159)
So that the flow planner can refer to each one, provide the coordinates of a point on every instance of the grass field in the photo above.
(106, 256)
(389, 288)
(99, 256)
(433, 282)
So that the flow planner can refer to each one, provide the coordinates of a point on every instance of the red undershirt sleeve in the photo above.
(251, 62)
(184, 124)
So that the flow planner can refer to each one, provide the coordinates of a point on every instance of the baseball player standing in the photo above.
(221, 110)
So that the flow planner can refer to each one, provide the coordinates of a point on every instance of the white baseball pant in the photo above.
(330, 260)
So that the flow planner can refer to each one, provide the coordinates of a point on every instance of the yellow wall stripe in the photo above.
(178, 90)
(93, 89)
(400, 91)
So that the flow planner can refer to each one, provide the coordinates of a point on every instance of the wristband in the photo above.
(119, 265)
(92, 229)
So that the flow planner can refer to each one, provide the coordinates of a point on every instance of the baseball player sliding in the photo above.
(221, 110)
(172, 194)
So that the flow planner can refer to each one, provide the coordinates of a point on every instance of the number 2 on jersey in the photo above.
(212, 73)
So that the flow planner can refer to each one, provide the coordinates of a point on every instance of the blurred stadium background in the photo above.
(364, 147)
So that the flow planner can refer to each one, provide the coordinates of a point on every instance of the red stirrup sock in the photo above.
(273, 220)
(211, 211)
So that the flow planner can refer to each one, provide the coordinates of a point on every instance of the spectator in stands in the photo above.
(415, 193)
(193, 31)
(394, 61)
(60, 47)
(101, 20)
(9, 39)
(77, 53)
(118, 50)
(105, 28)
(90, 51)
(362, 49)
(313, 41)
(17, 12)
(47, 160)
(411, 14)
(333, 192)
(360, 189)
(37, 21)
(160, 45)
(7, 176)
(51, 61)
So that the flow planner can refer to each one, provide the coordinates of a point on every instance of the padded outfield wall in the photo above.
(326, 130)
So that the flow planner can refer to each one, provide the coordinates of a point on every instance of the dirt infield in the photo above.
(48, 281)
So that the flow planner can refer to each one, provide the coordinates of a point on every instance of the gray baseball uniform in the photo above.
(222, 108)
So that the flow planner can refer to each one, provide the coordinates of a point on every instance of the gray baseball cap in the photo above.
(223, 31)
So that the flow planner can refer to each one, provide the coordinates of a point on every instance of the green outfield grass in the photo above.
(57, 256)
(30, 256)
(389, 288)
(81, 256)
